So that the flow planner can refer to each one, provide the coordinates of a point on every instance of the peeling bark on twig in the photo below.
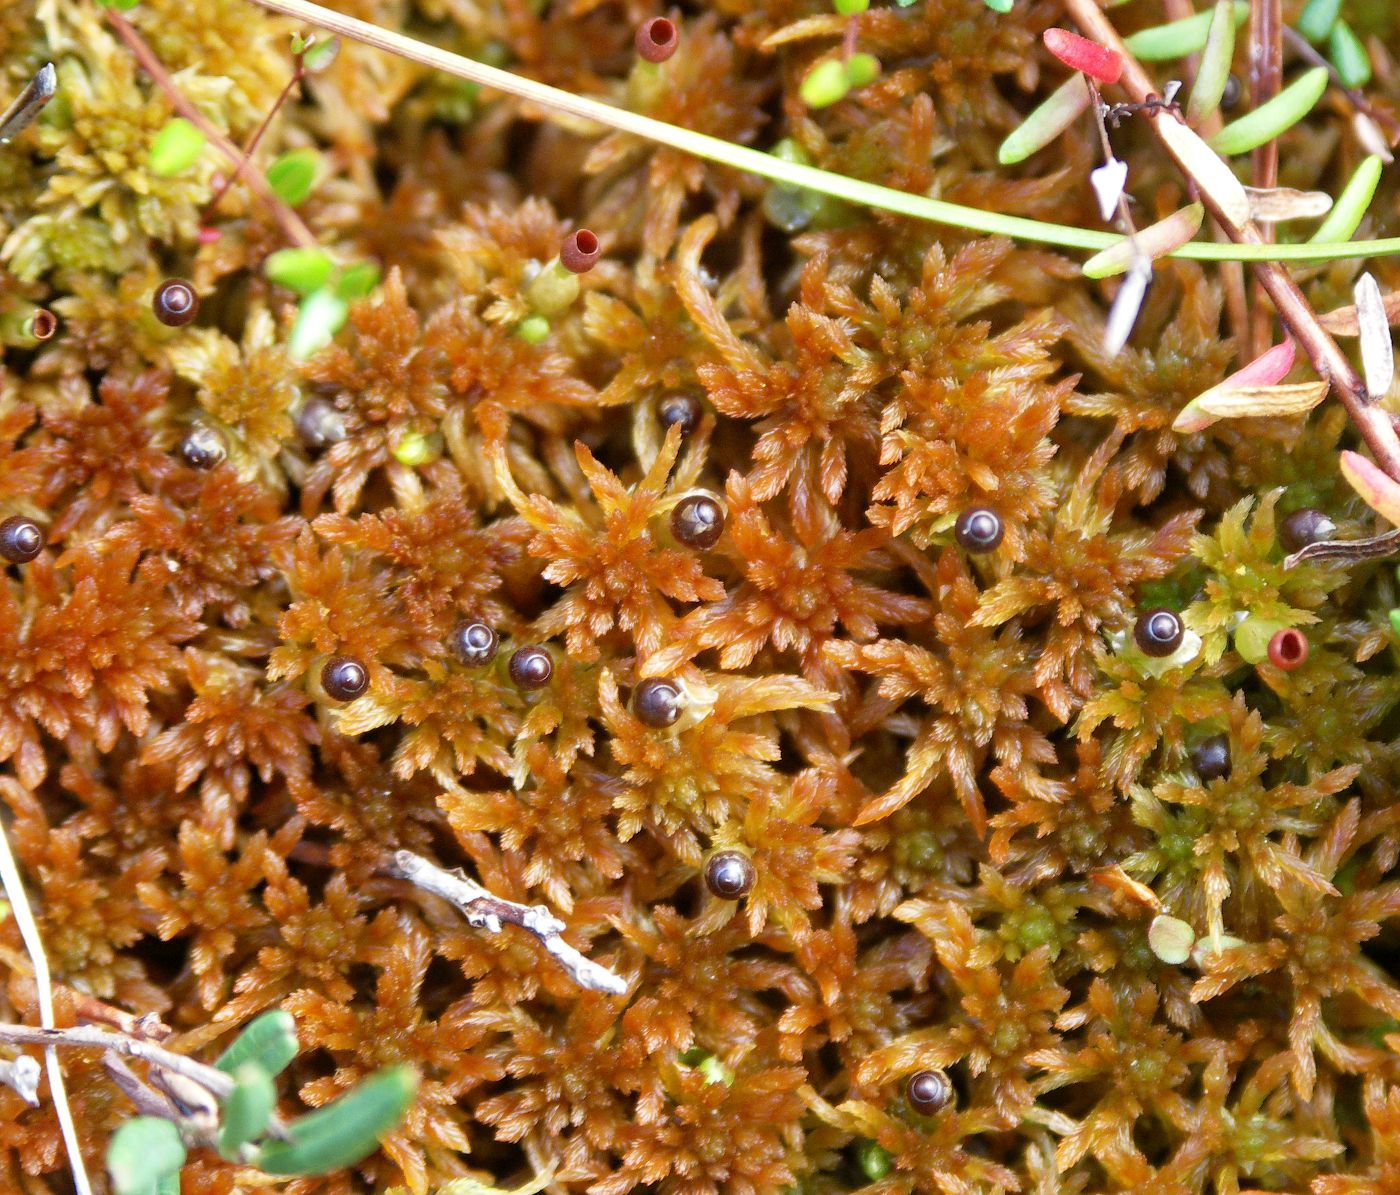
(484, 910)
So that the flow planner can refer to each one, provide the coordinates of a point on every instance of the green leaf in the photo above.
(1214, 70)
(1349, 56)
(119, 5)
(849, 8)
(861, 69)
(994, 5)
(1394, 617)
(1317, 18)
(321, 315)
(143, 1153)
(269, 1040)
(1060, 109)
(345, 1131)
(825, 84)
(245, 1113)
(1273, 117)
(1177, 39)
(300, 269)
(356, 281)
(169, 1185)
(321, 54)
(292, 175)
(1350, 209)
(175, 148)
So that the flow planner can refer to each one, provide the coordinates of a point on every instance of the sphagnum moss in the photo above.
(948, 778)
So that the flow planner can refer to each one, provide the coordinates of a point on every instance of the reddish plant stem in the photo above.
(1300, 46)
(1294, 310)
(297, 76)
(290, 223)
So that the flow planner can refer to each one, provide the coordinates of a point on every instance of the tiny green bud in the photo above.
(875, 1160)
(1002, 6)
(862, 69)
(533, 329)
(1272, 117)
(414, 448)
(175, 148)
(300, 269)
(293, 175)
(825, 84)
(714, 1071)
(850, 8)
(1395, 621)
(1349, 56)
(319, 53)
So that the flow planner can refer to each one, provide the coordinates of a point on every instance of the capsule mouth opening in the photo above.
(43, 324)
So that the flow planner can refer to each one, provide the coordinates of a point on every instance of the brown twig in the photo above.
(210, 1078)
(292, 227)
(298, 74)
(1294, 310)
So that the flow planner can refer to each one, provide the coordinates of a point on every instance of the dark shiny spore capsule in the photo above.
(320, 424)
(730, 875)
(928, 1091)
(698, 521)
(1231, 96)
(530, 667)
(175, 303)
(1211, 758)
(1304, 527)
(474, 643)
(978, 530)
(21, 539)
(656, 39)
(656, 702)
(344, 679)
(1158, 632)
(679, 410)
(202, 448)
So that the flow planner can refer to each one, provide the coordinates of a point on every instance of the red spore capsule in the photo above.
(657, 39)
(1288, 649)
(1081, 54)
(579, 252)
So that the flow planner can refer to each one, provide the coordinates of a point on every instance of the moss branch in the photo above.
(792, 174)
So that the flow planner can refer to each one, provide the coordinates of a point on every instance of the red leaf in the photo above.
(1081, 54)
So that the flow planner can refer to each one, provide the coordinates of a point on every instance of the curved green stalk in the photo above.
(793, 174)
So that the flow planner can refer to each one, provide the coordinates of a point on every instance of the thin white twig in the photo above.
(43, 987)
(485, 910)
